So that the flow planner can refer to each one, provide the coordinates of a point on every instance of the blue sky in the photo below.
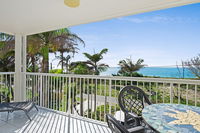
(161, 38)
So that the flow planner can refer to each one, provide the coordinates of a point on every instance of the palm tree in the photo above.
(33, 55)
(7, 62)
(68, 45)
(7, 59)
(96, 67)
(93, 61)
(51, 42)
(128, 66)
(64, 61)
(80, 67)
(32, 51)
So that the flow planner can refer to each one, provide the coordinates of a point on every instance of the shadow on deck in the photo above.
(49, 121)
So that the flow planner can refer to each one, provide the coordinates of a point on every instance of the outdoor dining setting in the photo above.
(141, 116)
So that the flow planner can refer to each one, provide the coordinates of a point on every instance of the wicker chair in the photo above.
(117, 127)
(132, 100)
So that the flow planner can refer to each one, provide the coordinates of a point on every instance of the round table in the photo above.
(173, 118)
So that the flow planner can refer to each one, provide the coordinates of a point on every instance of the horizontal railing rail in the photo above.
(93, 96)
(145, 79)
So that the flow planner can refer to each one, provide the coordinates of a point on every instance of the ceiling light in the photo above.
(72, 3)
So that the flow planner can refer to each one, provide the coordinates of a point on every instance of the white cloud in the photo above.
(159, 19)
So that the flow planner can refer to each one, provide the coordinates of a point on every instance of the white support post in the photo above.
(20, 68)
(24, 44)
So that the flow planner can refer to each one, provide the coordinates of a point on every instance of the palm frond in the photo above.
(103, 51)
(128, 66)
(88, 55)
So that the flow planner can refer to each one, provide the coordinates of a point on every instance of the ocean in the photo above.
(165, 72)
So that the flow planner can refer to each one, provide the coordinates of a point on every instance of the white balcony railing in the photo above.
(6, 86)
(93, 96)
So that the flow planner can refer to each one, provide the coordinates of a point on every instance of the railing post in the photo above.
(187, 94)
(105, 93)
(179, 93)
(41, 93)
(110, 91)
(171, 89)
(195, 95)
(69, 100)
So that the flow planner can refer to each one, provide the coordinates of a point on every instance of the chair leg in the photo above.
(36, 108)
(8, 115)
(28, 116)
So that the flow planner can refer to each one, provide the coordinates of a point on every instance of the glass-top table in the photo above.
(173, 118)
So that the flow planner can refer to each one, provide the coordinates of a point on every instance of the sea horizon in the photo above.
(163, 72)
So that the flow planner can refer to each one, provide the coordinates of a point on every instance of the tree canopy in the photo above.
(128, 67)
(93, 61)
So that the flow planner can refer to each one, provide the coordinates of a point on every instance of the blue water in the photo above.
(155, 71)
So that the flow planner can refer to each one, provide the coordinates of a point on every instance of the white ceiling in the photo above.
(34, 16)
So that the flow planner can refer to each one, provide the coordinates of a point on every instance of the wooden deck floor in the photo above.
(49, 121)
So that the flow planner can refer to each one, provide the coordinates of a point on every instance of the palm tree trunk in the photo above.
(96, 69)
(45, 66)
(67, 67)
(45, 59)
(33, 63)
(62, 61)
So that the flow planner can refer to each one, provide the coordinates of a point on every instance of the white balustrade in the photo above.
(6, 86)
(93, 96)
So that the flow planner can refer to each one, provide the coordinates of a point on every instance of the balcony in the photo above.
(83, 100)
(79, 100)
(47, 121)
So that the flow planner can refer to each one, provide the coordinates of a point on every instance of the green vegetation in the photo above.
(56, 90)
(56, 71)
(93, 61)
(92, 65)
(6, 54)
(81, 68)
(129, 69)
(62, 41)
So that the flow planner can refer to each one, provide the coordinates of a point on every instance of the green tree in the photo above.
(95, 66)
(81, 68)
(7, 58)
(33, 55)
(64, 61)
(7, 62)
(93, 61)
(51, 42)
(129, 68)
(67, 45)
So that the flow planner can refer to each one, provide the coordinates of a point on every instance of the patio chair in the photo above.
(7, 106)
(16, 106)
(117, 127)
(132, 100)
